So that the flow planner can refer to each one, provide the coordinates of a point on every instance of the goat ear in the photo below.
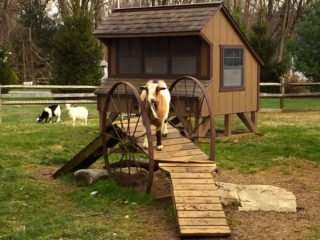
(143, 88)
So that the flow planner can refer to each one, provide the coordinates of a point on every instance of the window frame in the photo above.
(169, 55)
(222, 67)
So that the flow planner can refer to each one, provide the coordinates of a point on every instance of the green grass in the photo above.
(35, 206)
(287, 137)
(290, 103)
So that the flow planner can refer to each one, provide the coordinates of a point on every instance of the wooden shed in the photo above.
(198, 40)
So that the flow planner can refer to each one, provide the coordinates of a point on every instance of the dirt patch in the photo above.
(43, 174)
(56, 147)
(298, 176)
(301, 178)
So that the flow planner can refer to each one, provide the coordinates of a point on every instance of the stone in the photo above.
(256, 197)
(90, 175)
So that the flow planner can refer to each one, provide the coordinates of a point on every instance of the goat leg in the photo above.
(159, 145)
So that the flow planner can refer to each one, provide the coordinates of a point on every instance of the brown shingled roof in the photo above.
(161, 19)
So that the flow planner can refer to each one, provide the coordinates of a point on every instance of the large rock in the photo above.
(90, 175)
(256, 197)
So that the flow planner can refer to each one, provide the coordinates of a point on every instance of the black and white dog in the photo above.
(50, 112)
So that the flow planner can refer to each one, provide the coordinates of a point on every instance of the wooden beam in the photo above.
(247, 121)
(254, 119)
(205, 126)
(38, 102)
(48, 95)
(48, 87)
(227, 125)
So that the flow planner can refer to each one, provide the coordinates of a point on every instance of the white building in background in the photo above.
(104, 65)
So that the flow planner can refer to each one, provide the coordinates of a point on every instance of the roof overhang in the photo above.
(134, 35)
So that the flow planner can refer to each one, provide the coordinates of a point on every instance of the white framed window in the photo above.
(232, 59)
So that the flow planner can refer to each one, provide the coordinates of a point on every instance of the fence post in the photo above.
(282, 88)
(0, 105)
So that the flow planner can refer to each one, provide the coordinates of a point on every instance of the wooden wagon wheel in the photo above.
(191, 110)
(121, 131)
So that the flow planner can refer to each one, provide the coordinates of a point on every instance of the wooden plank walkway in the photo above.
(197, 205)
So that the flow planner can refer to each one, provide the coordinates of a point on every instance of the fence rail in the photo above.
(56, 98)
(48, 97)
(311, 96)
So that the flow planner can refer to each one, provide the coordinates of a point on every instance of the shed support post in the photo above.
(254, 119)
(227, 125)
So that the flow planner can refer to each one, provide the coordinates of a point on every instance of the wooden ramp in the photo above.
(197, 205)
(83, 159)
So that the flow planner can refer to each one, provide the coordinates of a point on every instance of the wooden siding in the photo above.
(220, 32)
(204, 58)
(113, 58)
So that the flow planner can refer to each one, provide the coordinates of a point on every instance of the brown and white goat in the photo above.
(156, 99)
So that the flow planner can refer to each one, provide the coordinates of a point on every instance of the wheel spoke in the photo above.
(135, 129)
(119, 104)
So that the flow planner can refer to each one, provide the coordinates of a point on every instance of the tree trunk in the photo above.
(270, 11)
(31, 56)
(235, 4)
(283, 29)
(246, 12)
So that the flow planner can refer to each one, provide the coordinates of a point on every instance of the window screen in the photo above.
(167, 56)
(184, 55)
(129, 56)
(156, 55)
(232, 67)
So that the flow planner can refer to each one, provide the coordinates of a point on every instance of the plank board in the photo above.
(187, 169)
(204, 200)
(198, 207)
(195, 193)
(192, 181)
(200, 214)
(204, 230)
(192, 187)
(184, 159)
(172, 165)
(191, 175)
(202, 222)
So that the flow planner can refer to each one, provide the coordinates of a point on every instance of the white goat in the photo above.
(77, 113)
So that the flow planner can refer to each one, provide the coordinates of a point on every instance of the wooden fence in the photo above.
(282, 95)
(61, 98)
(49, 98)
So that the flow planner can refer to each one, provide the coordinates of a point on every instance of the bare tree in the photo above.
(8, 16)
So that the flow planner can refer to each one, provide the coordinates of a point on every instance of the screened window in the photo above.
(156, 55)
(163, 56)
(184, 55)
(129, 56)
(232, 68)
